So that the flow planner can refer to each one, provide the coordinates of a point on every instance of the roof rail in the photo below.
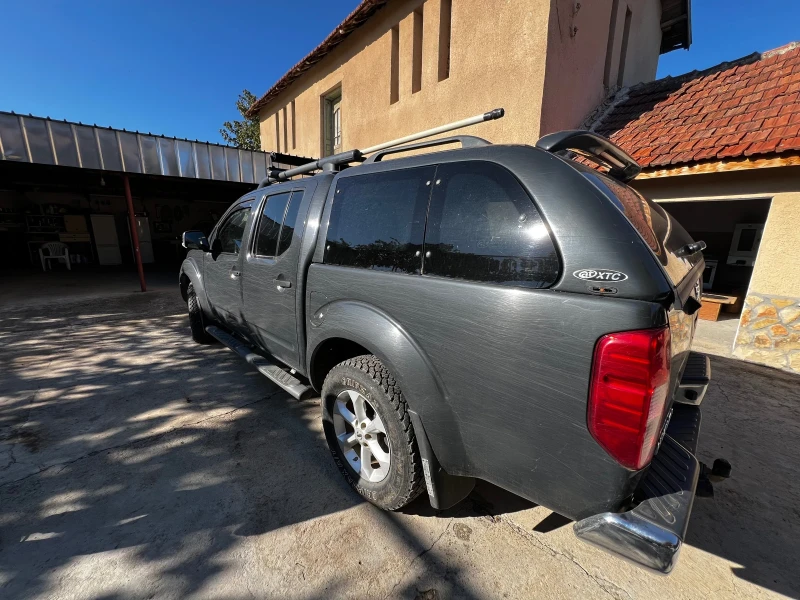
(331, 163)
(596, 148)
(467, 141)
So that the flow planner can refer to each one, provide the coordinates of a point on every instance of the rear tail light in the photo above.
(630, 381)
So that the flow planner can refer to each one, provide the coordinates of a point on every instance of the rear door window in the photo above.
(289, 222)
(660, 231)
(377, 221)
(269, 224)
(483, 226)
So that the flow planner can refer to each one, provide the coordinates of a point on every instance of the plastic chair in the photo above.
(55, 251)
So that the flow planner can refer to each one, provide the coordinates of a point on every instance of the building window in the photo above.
(612, 29)
(394, 67)
(332, 122)
(623, 53)
(445, 19)
(416, 52)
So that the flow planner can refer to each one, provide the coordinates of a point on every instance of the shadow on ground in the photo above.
(133, 464)
(120, 439)
(751, 416)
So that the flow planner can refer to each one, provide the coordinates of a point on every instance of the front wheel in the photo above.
(369, 432)
(196, 324)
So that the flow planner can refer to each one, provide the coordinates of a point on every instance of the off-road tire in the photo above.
(367, 375)
(196, 323)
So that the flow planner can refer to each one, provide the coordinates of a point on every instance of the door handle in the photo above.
(235, 274)
(282, 283)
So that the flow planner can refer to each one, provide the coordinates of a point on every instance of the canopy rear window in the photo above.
(659, 230)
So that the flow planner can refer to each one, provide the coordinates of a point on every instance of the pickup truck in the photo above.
(494, 312)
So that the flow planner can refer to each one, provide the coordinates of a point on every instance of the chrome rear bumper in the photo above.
(651, 534)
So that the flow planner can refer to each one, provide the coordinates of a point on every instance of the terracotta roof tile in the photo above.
(743, 108)
(789, 144)
(762, 147)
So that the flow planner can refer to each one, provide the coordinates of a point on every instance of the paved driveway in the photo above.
(135, 464)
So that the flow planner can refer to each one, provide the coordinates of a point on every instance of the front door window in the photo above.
(229, 236)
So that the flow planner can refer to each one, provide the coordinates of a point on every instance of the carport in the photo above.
(83, 185)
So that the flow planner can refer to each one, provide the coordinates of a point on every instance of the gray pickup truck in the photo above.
(499, 312)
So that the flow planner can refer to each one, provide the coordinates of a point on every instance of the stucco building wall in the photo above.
(769, 326)
(498, 58)
(584, 55)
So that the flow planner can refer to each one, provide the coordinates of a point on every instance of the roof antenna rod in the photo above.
(330, 162)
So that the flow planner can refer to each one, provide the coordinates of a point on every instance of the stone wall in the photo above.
(769, 331)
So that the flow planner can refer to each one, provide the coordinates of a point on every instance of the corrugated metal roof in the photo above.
(45, 141)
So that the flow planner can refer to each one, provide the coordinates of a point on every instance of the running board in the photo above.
(271, 371)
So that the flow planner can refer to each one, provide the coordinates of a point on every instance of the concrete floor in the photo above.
(31, 287)
(716, 337)
(136, 464)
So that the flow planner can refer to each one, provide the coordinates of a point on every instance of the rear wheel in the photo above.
(196, 323)
(369, 432)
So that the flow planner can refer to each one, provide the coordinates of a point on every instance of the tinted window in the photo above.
(482, 226)
(290, 221)
(269, 225)
(229, 236)
(377, 221)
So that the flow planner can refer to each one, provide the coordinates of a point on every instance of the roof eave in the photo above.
(352, 22)
(743, 163)
(676, 25)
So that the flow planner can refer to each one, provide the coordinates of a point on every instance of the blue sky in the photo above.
(175, 67)
(730, 29)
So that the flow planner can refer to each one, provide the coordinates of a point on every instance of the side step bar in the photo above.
(271, 371)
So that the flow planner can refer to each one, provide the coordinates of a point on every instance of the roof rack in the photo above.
(336, 161)
(596, 148)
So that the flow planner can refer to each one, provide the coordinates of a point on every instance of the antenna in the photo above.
(329, 163)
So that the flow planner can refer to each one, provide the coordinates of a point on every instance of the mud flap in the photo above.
(444, 490)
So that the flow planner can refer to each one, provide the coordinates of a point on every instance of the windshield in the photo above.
(659, 230)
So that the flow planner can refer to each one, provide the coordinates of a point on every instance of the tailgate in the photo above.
(665, 238)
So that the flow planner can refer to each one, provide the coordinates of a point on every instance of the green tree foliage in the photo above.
(245, 133)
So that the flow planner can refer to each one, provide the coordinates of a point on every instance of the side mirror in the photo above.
(196, 240)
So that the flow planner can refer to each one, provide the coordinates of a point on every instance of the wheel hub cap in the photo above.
(361, 436)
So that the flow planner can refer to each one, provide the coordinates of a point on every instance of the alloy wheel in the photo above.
(362, 436)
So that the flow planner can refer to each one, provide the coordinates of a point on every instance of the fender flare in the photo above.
(422, 387)
(190, 269)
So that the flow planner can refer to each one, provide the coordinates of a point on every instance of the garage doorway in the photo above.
(732, 231)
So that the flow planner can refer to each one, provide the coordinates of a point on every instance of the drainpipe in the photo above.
(134, 232)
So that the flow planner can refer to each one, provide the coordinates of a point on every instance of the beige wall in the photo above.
(481, 77)
(578, 49)
(777, 268)
(769, 326)
(497, 60)
(644, 43)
